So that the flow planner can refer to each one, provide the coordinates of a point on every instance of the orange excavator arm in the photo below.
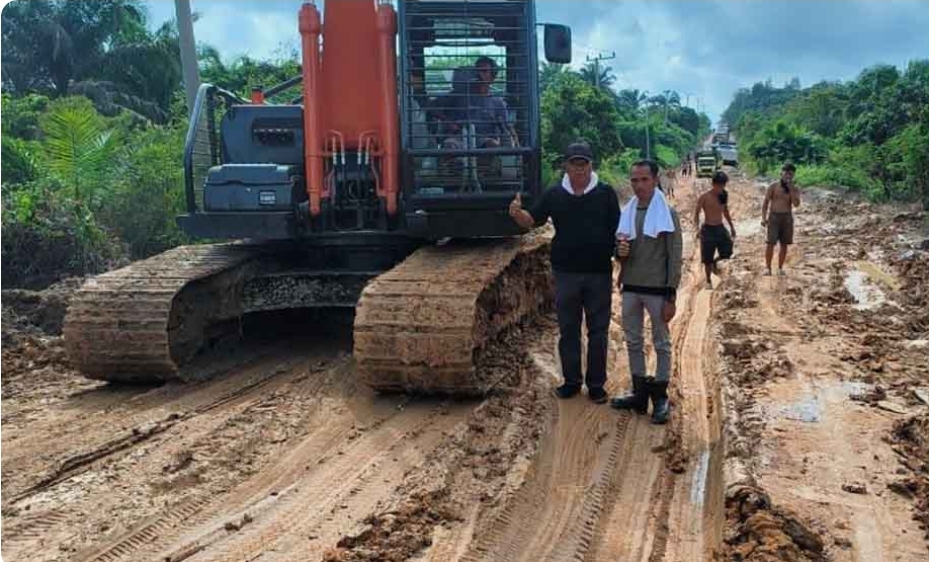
(350, 92)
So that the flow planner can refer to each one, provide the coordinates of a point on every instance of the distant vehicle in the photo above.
(708, 162)
(728, 154)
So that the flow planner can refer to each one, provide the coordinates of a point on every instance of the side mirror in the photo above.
(557, 43)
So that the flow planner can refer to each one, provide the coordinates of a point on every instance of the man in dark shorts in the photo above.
(585, 213)
(713, 235)
(781, 197)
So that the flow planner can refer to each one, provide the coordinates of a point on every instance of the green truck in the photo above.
(708, 161)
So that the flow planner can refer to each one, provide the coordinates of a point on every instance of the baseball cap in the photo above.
(579, 149)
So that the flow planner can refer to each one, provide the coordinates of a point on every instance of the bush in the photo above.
(828, 174)
(148, 194)
(21, 115)
(47, 237)
(18, 160)
(614, 170)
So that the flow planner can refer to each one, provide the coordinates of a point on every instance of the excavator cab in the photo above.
(469, 113)
(429, 142)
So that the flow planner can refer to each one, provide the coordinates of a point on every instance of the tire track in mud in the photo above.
(599, 489)
(332, 479)
(75, 446)
(564, 493)
(688, 512)
(657, 514)
(201, 429)
(634, 526)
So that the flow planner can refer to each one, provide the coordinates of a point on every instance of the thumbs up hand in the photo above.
(516, 206)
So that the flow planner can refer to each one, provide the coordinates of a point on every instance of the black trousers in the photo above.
(589, 294)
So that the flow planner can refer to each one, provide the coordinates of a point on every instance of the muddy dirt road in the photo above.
(787, 393)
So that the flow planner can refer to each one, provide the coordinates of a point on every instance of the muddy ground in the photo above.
(798, 433)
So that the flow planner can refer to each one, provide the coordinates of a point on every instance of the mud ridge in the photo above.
(470, 474)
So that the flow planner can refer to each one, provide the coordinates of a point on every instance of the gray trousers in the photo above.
(590, 294)
(634, 307)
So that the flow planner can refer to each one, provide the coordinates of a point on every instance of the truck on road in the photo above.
(728, 154)
(708, 161)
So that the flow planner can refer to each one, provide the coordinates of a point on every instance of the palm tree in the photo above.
(595, 74)
(630, 99)
(670, 99)
(77, 147)
(62, 47)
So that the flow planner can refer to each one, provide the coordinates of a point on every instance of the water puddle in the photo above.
(867, 295)
(807, 410)
(698, 485)
(811, 407)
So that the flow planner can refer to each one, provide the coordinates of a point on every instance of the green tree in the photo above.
(78, 147)
(780, 141)
(596, 74)
(549, 73)
(48, 43)
(98, 48)
(573, 109)
(243, 73)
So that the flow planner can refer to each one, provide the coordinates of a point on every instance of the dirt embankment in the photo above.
(822, 372)
(33, 351)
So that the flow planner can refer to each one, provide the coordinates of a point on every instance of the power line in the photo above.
(596, 60)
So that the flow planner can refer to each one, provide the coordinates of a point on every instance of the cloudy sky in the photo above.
(703, 49)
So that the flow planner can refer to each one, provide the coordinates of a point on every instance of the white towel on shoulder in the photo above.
(657, 218)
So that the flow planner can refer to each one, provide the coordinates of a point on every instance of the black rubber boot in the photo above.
(661, 408)
(637, 400)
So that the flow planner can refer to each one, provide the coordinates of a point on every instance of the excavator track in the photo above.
(422, 326)
(142, 322)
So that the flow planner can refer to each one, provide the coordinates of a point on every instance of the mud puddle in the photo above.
(867, 295)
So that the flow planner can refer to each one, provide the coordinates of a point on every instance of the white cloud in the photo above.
(709, 48)
(246, 29)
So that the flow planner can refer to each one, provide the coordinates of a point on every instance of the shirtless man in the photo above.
(713, 236)
(782, 196)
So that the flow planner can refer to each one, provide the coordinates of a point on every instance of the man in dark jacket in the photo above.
(585, 213)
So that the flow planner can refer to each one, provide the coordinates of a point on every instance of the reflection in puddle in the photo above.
(867, 295)
(698, 486)
(811, 408)
(807, 410)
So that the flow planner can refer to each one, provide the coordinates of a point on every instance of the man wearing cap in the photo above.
(585, 213)
(713, 236)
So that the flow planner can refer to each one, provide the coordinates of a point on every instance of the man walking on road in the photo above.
(650, 247)
(713, 236)
(585, 213)
(782, 196)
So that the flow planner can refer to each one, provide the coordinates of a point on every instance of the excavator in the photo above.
(383, 186)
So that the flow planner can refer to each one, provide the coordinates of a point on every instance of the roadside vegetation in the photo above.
(92, 135)
(870, 134)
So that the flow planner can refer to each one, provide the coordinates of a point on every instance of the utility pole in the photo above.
(596, 60)
(189, 65)
(667, 100)
(648, 144)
